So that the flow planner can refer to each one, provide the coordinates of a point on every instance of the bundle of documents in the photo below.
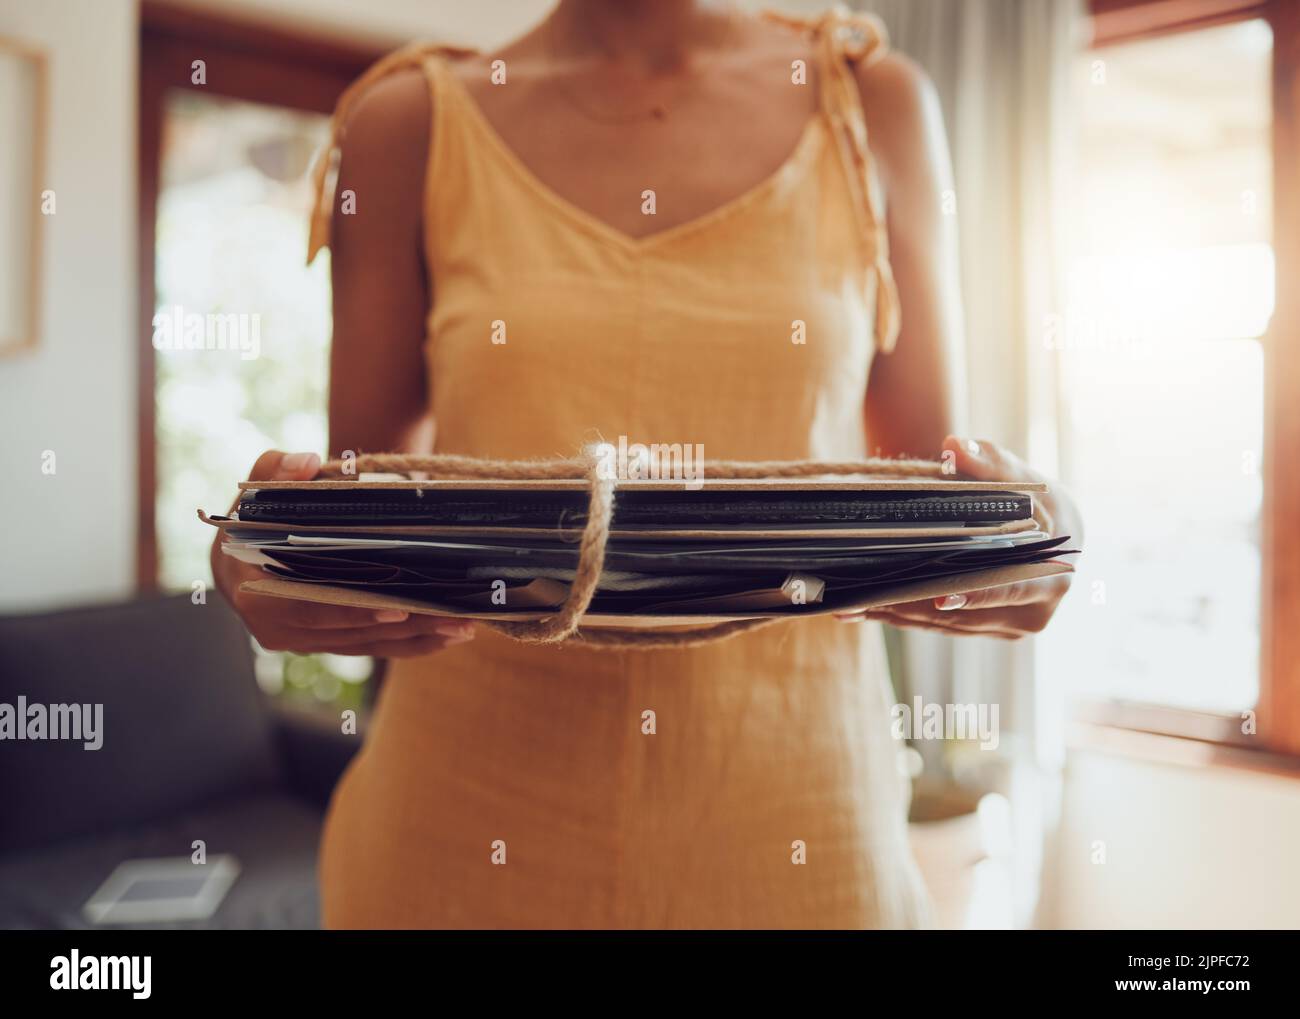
(715, 551)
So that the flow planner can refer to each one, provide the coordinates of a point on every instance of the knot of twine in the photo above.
(563, 624)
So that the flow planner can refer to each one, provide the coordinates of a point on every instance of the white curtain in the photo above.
(1003, 71)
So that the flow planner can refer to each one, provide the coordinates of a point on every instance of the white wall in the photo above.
(481, 23)
(1185, 847)
(69, 536)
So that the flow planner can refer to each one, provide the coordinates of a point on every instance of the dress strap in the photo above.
(325, 172)
(843, 39)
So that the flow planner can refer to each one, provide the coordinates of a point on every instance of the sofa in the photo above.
(192, 750)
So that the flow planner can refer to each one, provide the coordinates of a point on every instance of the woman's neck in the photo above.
(658, 34)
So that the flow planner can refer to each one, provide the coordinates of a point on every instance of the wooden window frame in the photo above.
(1119, 21)
(1146, 729)
(249, 60)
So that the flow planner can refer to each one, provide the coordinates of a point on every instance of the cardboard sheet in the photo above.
(837, 484)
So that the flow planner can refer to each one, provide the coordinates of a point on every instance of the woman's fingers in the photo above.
(280, 624)
(983, 627)
(1009, 611)
(273, 465)
(978, 458)
(454, 630)
(1028, 592)
(1015, 620)
(1004, 618)
(982, 460)
(1025, 592)
(411, 648)
(364, 640)
(301, 615)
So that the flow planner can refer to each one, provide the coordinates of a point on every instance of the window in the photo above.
(224, 201)
(231, 238)
(1179, 373)
(1161, 368)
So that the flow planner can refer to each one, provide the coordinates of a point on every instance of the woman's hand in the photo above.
(1011, 611)
(280, 624)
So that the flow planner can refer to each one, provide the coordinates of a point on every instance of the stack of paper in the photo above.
(713, 551)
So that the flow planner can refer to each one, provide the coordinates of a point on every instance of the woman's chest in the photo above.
(641, 173)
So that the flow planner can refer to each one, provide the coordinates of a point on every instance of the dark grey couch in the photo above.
(191, 750)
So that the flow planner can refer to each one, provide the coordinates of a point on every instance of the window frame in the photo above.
(1276, 743)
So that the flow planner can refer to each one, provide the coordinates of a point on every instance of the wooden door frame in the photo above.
(246, 60)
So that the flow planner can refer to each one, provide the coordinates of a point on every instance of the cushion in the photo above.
(183, 721)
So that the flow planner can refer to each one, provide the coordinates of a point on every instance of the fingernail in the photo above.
(391, 616)
(849, 619)
(457, 634)
(297, 461)
(952, 601)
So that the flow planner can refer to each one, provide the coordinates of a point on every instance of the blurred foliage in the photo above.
(314, 680)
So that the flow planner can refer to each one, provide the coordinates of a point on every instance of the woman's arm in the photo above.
(910, 405)
(377, 391)
(378, 400)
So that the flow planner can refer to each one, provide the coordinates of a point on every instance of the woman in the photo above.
(658, 220)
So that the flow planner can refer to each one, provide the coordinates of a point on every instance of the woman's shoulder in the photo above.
(394, 95)
(892, 80)
(390, 107)
(383, 140)
(899, 103)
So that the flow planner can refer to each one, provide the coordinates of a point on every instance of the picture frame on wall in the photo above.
(24, 97)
